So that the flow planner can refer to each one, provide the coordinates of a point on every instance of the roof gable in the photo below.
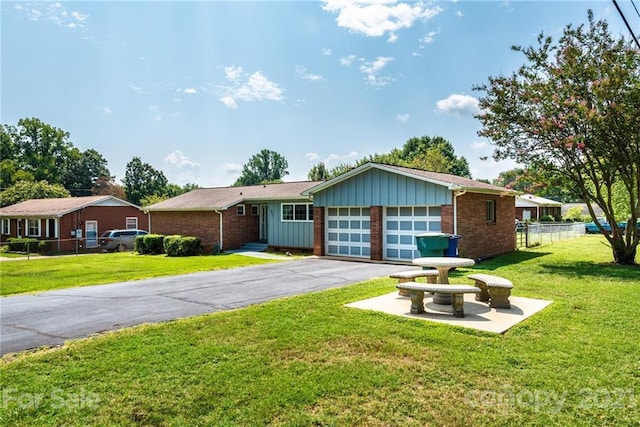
(221, 198)
(451, 182)
(58, 207)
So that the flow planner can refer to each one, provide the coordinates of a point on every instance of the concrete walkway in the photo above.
(51, 318)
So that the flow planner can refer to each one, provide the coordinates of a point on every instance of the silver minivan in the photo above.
(120, 240)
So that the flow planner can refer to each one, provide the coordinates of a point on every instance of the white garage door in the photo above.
(349, 232)
(402, 224)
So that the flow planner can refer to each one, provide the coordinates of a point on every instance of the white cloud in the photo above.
(375, 18)
(371, 71)
(348, 60)
(459, 104)
(326, 52)
(336, 159)
(393, 37)
(190, 90)
(303, 73)
(55, 13)
(107, 110)
(248, 88)
(403, 117)
(154, 108)
(180, 169)
(312, 157)
(479, 145)
(459, 14)
(429, 38)
(137, 89)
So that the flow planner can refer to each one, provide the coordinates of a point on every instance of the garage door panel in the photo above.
(348, 232)
(402, 224)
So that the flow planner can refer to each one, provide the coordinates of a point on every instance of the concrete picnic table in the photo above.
(443, 265)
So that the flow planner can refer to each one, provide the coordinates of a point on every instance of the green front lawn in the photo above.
(44, 274)
(309, 360)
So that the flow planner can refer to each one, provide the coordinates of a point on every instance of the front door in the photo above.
(264, 235)
(91, 233)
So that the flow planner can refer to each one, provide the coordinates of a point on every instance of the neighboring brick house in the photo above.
(530, 207)
(70, 222)
(375, 211)
(277, 214)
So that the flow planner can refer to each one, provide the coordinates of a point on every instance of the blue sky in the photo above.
(196, 88)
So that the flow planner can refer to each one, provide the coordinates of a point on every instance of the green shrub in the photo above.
(547, 218)
(45, 247)
(22, 244)
(182, 245)
(150, 244)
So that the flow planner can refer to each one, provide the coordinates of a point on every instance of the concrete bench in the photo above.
(416, 293)
(495, 289)
(410, 275)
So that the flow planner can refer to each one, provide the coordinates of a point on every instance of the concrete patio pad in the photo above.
(478, 315)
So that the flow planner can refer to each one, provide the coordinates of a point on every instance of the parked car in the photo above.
(592, 228)
(120, 240)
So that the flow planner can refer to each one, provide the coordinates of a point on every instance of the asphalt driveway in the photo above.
(51, 318)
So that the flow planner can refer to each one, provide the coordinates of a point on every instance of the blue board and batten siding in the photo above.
(380, 188)
(288, 234)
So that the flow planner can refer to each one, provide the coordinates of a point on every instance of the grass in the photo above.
(309, 360)
(44, 274)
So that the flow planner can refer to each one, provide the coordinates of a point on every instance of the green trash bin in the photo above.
(432, 244)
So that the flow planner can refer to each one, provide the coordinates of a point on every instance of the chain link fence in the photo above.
(541, 233)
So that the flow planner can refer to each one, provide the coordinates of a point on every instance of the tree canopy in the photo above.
(429, 153)
(25, 190)
(265, 167)
(143, 180)
(572, 111)
(36, 151)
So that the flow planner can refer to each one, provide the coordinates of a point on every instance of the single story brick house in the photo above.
(375, 211)
(70, 221)
(371, 212)
(277, 214)
(530, 207)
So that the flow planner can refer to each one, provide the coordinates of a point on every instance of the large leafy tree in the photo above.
(36, 151)
(26, 190)
(84, 171)
(143, 180)
(318, 172)
(572, 111)
(265, 167)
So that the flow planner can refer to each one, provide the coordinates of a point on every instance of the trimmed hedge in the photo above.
(182, 245)
(20, 244)
(149, 244)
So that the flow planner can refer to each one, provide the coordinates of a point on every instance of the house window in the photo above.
(240, 210)
(33, 227)
(132, 223)
(491, 211)
(254, 210)
(6, 226)
(297, 212)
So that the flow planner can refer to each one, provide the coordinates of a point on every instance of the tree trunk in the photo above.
(623, 254)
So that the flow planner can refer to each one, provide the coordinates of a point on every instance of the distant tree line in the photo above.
(38, 160)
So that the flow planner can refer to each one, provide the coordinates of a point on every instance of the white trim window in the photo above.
(297, 212)
(240, 210)
(131, 223)
(33, 227)
(6, 226)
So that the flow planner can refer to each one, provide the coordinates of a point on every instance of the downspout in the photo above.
(220, 215)
(455, 209)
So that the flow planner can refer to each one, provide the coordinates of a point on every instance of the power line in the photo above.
(626, 23)
(634, 6)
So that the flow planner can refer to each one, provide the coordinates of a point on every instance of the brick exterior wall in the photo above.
(479, 238)
(377, 229)
(319, 236)
(236, 229)
(108, 218)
